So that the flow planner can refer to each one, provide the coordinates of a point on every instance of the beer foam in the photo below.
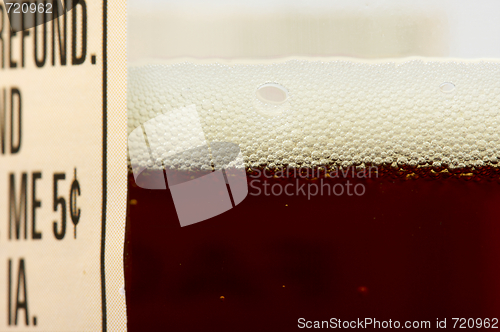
(417, 112)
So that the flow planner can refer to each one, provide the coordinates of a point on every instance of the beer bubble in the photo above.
(272, 93)
(363, 290)
(447, 87)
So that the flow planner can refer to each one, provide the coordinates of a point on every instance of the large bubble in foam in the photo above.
(417, 113)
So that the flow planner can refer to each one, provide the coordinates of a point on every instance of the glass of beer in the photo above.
(321, 165)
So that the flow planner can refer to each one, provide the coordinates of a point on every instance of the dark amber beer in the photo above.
(363, 201)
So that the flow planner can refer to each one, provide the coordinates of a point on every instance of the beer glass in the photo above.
(297, 165)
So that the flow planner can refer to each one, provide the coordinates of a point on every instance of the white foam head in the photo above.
(414, 112)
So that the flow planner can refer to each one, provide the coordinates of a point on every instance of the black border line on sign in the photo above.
(104, 157)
